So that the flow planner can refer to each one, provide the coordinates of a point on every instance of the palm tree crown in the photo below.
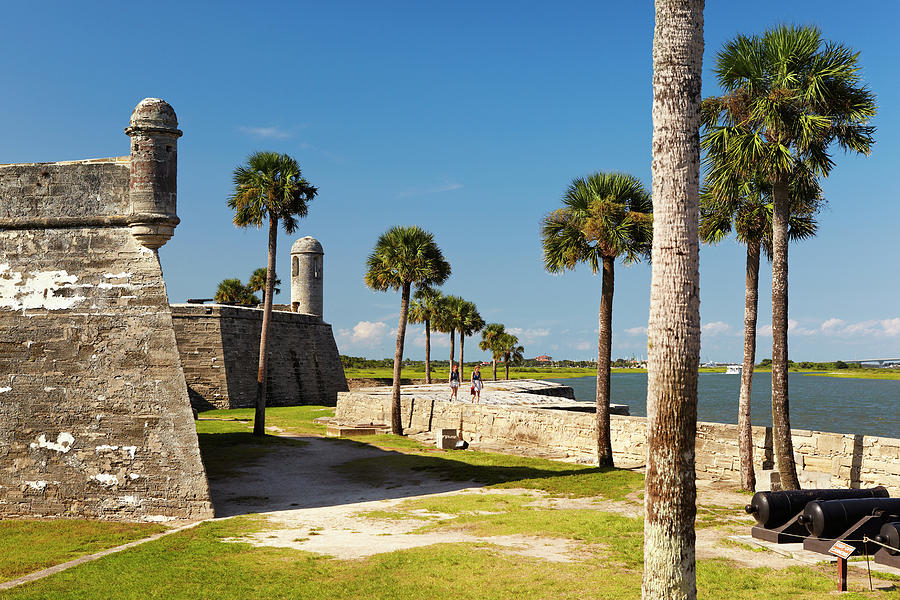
(603, 215)
(270, 186)
(403, 256)
(788, 95)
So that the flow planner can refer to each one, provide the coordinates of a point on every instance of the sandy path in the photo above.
(317, 509)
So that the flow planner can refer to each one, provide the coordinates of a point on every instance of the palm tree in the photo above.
(451, 309)
(798, 95)
(470, 322)
(604, 217)
(749, 213)
(489, 337)
(257, 282)
(511, 351)
(269, 187)
(232, 291)
(426, 301)
(673, 329)
(404, 256)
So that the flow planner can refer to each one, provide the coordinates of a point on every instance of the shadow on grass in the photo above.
(249, 474)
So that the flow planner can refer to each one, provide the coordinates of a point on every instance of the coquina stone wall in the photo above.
(94, 414)
(826, 460)
(219, 348)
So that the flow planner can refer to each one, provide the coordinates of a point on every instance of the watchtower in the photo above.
(306, 276)
(154, 141)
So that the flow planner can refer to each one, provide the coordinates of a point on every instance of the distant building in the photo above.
(543, 358)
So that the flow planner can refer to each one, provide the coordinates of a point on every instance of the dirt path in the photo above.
(317, 509)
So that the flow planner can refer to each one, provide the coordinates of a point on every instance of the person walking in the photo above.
(454, 383)
(477, 384)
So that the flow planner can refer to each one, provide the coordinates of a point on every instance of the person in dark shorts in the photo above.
(454, 382)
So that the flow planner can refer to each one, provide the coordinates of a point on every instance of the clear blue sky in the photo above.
(466, 118)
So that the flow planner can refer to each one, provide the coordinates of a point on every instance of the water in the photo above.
(860, 406)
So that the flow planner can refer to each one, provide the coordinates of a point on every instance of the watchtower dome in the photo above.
(306, 276)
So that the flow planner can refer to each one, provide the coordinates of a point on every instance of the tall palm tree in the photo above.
(426, 301)
(511, 351)
(673, 329)
(748, 211)
(605, 216)
(451, 310)
(470, 324)
(801, 95)
(402, 257)
(232, 291)
(489, 337)
(269, 188)
(257, 282)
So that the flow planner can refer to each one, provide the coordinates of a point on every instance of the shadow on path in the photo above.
(308, 472)
(287, 477)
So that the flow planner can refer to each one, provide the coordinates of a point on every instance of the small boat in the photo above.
(733, 369)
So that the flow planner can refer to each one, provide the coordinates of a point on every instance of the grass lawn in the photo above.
(29, 546)
(211, 561)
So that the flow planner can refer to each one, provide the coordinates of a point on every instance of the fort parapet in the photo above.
(94, 413)
(219, 348)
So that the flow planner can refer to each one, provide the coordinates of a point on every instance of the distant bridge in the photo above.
(879, 361)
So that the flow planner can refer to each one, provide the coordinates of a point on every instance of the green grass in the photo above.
(294, 420)
(199, 564)
(893, 374)
(498, 470)
(29, 546)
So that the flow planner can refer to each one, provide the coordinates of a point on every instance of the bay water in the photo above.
(855, 406)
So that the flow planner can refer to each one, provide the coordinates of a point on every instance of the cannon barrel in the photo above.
(774, 509)
(890, 536)
(830, 518)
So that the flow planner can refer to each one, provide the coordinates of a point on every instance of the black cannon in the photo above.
(846, 520)
(777, 513)
(889, 536)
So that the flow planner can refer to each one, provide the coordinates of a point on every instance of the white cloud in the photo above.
(432, 189)
(715, 328)
(528, 336)
(636, 331)
(583, 346)
(366, 333)
(275, 133)
(839, 328)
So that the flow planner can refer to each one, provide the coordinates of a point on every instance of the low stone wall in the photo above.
(823, 459)
(219, 348)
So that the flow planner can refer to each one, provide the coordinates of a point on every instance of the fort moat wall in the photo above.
(824, 460)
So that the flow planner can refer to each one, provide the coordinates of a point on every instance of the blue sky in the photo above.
(466, 118)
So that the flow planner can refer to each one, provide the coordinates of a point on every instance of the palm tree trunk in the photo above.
(461, 340)
(494, 366)
(396, 421)
(604, 355)
(453, 349)
(674, 324)
(259, 418)
(781, 420)
(506, 362)
(745, 430)
(427, 351)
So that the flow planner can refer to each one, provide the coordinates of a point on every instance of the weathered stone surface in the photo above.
(94, 414)
(565, 434)
(219, 348)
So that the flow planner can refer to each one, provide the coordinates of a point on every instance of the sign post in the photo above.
(843, 551)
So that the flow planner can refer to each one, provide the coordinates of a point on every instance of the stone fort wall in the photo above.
(94, 414)
(219, 347)
(824, 460)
